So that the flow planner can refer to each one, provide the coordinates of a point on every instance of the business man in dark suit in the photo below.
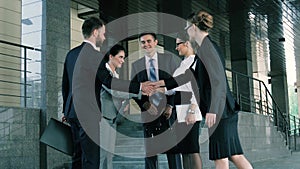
(81, 85)
(155, 66)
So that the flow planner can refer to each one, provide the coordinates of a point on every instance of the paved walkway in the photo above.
(289, 162)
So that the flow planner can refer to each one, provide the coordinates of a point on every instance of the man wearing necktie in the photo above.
(157, 110)
(152, 72)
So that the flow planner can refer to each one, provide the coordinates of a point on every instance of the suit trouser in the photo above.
(107, 143)
(151, 162)
(174, 162)
(86, 151)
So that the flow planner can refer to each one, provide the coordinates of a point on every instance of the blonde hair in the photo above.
(203, 20)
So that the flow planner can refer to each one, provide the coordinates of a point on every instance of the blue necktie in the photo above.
(153, 77)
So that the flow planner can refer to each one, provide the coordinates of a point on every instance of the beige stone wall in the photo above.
(76, 23)
(10, 30)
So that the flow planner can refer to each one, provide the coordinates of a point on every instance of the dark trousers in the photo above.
(153, 147)
(86, 151)
(174, 162)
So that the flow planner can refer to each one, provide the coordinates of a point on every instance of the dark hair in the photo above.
(183, 36)
(89, 25)
(113, 51)
(147, 33)
(190, 17)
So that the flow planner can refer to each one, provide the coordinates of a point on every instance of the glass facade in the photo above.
(31, 36)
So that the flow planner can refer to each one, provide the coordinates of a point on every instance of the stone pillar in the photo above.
(184, 10)
(55, 45)
(172, 27)
(240, 49)
(277, 59)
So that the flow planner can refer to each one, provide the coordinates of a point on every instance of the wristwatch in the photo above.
(191, 111)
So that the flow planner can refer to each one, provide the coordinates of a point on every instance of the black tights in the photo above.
(192, 161)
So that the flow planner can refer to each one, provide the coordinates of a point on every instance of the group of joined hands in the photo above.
(149, 88)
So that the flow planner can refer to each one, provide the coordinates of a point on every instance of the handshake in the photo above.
(149, 88)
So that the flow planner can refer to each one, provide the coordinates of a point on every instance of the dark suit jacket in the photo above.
(68, 107)
(84, 73)
(214, 92)
(167, 64)
(87, 64)
(204, 88)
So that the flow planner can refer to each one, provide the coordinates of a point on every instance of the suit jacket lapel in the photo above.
(160, 65)
(142, 68)
(163, 67)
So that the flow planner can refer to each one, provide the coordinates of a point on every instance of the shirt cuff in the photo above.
(169, 92)
(170, 106)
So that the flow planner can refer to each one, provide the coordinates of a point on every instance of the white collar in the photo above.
(153, 57)
(191, 57)
(94, 46)
(113, 74)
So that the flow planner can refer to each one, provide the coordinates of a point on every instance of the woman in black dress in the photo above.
(188, 113)
(218, 105)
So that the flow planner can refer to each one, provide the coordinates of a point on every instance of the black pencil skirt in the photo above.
(188, 138)
(224, 141)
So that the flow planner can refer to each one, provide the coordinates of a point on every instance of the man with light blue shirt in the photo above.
(157, 116)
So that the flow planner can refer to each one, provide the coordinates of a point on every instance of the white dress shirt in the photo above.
(185, 64)
(113, 73)
(94, 46)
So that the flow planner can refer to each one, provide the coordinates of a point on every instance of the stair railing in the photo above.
(261, 101)
(16, 75)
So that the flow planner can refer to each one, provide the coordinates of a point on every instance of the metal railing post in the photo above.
(288, 136)
(298, 126)
(267, 101)
(277, 118)
(241, 104)
(295, 134)
(237, 90)
(25, 77)
(260, 99)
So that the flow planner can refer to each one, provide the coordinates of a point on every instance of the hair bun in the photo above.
(206, 18)
(203, 20)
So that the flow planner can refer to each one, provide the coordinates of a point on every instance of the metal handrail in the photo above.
(22, 69)
(267, 106)
(18, 45)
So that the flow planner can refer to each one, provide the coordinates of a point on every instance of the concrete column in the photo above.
(277, 59)
(164, 6)
(240, 49)
(55, 45)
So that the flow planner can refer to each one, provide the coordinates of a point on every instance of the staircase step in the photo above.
(121, 162)
(260, 141)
